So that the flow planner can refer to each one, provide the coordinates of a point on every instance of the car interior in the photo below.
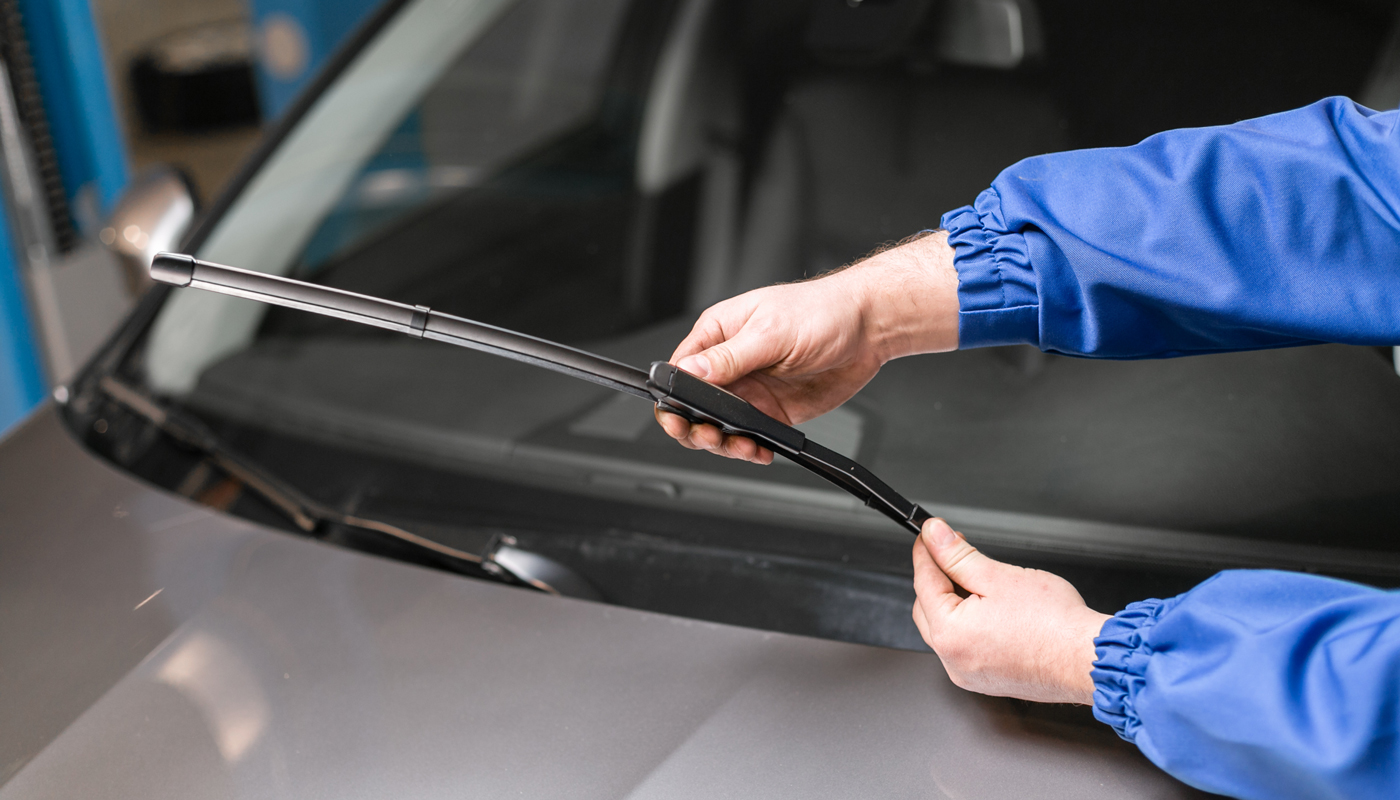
(598, 172)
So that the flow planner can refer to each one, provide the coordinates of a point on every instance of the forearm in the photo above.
(908, 296)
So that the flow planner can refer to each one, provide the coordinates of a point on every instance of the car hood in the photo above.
(156, 648)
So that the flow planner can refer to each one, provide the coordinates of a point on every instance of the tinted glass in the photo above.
(597, 172)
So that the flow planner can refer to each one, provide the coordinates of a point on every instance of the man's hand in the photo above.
(798, 350)
(1021, 632)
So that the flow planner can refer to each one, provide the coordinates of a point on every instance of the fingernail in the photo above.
(699, 366)
(938, 532)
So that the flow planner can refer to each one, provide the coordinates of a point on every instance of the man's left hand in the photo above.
(1020, 633)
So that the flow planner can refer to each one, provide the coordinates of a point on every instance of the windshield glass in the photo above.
(598, 171)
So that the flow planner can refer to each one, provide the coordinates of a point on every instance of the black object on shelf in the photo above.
(197, 79)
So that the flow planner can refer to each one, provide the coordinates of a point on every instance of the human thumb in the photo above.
(729, 361)
(960, 561)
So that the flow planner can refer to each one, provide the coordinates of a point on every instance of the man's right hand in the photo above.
(799, 350)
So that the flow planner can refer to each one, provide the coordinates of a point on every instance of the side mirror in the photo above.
(152, 216)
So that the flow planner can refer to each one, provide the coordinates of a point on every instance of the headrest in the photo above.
(864, 31)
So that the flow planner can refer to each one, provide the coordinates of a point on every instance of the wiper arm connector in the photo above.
(670, 388)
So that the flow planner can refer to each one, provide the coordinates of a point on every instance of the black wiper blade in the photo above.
(417, 321)
(304, 512)
(501, 558)
(670, 388)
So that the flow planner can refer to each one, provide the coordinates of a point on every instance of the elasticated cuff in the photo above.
(997, 298)
(1121, 667)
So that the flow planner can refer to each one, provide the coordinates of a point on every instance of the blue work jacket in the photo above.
(1273, 232)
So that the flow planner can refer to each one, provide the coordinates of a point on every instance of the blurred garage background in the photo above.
(97, 96)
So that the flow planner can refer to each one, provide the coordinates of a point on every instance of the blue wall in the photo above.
(21, 382)
(73, 80)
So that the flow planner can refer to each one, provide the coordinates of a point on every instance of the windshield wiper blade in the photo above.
(502, 558)
(304, 512)
(670, 388)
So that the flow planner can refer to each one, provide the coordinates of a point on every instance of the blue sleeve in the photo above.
(1260, 684)
(1277, 231)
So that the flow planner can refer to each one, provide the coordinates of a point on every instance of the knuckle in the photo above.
(721, 357)
(945, 645)
(766, 326)
(965, 558)
(952, 649)
(709, 328)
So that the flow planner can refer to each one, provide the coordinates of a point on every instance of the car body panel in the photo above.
(269, 665)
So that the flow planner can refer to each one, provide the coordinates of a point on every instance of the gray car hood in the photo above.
(150, 647)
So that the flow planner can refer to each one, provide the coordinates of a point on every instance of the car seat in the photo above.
(862, 155)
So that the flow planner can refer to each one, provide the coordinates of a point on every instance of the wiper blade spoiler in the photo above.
(670, 388)
(416, 321)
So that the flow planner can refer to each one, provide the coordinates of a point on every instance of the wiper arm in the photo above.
(670, 388)
(502, 557)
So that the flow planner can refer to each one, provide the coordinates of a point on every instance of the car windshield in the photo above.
(597, 172)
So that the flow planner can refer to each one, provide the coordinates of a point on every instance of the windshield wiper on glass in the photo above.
(501, 558)
(670, 388)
